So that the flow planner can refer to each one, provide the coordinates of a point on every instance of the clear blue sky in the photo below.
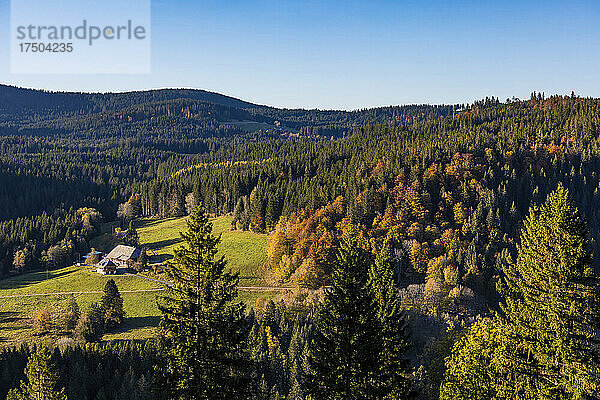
(351, 54)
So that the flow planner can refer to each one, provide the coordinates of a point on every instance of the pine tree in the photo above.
(552, 297)
(112, 306)
(90, 326)
(343, 363)
(203, 326)
(143, 260)
(71, 314)
(546, 345)
(41, 379)
(132, 238)
(480, 367)
(394, 368)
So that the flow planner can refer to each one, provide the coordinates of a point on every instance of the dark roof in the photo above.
(106, 263)
(123, 253)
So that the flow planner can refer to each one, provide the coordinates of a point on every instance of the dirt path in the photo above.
(240, 288)
(262, 289)
(10, 296)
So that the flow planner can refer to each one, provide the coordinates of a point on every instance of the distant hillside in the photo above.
(193, 113)
(32, 101)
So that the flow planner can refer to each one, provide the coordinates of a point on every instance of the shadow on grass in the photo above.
(160, 258)
(151, 222)
(105, 242)
(162, 243)
(9, 316)
(133, 323)
(31, 278)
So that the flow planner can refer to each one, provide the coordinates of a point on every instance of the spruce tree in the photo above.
(143, 260)
(394, 368)
(546, 345)
(71, 314)
(480, 366)
(552, 301)
(112, 306)
(343, 363)
(90, 326)
(132, 238)
(203, 325)
(41, 379)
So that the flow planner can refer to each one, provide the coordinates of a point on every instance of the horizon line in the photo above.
(153, 89)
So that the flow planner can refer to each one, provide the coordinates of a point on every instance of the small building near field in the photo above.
(93, 257)
(106, 267)
(119, 259)
(124, 255)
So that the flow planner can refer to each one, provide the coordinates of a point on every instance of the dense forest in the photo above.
(77, 150)
(441, 239)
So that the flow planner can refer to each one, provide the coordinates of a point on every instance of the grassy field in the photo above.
(15, 312)
(244, 251)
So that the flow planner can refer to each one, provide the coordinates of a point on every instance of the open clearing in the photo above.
(244, 251)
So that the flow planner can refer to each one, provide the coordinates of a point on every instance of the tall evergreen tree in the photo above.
(343, 363)
(41, 379)
(552, 301)
(143, 260)
(131, 238)
(112, 306)
(203, 325)
(90, 326)
(71, 314)
(394, 368)
(546, 346)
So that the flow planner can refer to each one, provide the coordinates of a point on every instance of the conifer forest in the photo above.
(426, 251)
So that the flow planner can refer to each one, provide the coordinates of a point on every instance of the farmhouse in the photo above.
(106, 267)
(119, 259)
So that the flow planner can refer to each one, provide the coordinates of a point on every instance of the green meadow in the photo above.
(244, 251)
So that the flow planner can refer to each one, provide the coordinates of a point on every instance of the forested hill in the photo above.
(449, 192)
(495, 206)
(19, 103)
(192, 114)
(60, 151)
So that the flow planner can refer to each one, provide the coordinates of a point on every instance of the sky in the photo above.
(356, 54)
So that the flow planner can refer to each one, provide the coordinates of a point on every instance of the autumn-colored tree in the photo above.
(92, 258)
(480, 366)
(42, 322)
(71, 314)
